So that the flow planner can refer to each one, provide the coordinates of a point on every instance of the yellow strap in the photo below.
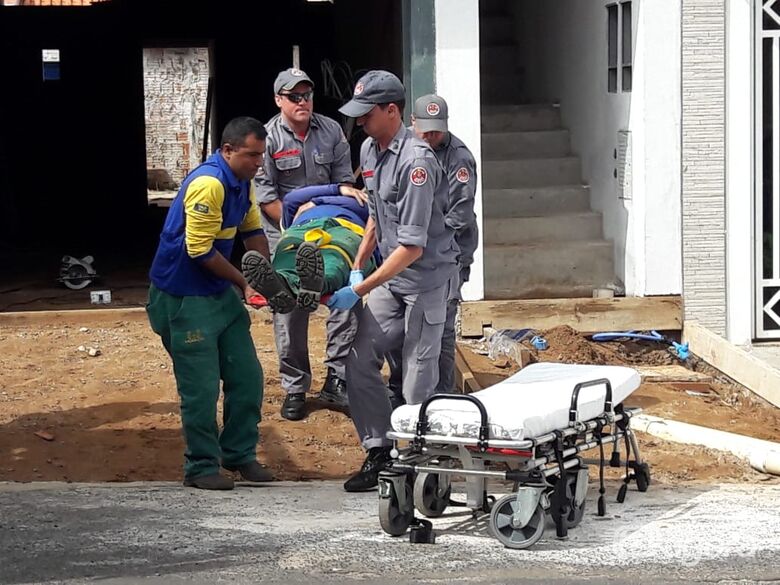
(317, 235)
(323, 240)
(351, 226)
(340, 250)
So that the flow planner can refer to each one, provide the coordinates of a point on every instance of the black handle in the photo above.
(575, 396)
(422, 419)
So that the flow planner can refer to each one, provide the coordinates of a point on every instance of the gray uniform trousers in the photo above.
(411, 323)
(291, 333)
(446, 383)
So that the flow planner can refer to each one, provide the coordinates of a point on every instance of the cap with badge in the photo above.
(430, 114)
(375, 87)
(289, 78)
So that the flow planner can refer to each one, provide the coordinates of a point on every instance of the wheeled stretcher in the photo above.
(530, 429)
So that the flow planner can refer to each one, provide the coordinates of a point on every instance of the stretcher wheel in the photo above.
(394, 520)
(576, 513)
(427, 497)
(642, 473)
(508, 535)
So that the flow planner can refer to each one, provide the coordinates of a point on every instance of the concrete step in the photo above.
(496, 29)
(520, 118)
(501, 88)
(548, 269)
(585, 225)
(535, 201)
(530, 172)
(498, 59)
(537, 144)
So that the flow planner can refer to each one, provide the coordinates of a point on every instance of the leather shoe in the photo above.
(334, 390)
(252, 471)
(294, 406)
(213, 481)
(368, 476)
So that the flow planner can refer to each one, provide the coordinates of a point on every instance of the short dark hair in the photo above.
(400, 104)
(238, 129)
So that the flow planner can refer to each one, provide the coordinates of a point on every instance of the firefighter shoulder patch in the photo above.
(462, 175)
(418, 176)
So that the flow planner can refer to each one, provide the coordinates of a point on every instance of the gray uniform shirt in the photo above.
(408, 198)
(461, 170)
(292, 162)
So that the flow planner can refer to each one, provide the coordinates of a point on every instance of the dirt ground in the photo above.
(65, 415)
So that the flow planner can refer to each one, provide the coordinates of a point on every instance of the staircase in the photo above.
(541, 238)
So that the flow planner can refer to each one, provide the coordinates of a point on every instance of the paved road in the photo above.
(314, 532)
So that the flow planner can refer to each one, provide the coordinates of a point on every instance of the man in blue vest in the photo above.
(194, 308)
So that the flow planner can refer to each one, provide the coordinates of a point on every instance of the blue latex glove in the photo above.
(355, 277)
(342, 299)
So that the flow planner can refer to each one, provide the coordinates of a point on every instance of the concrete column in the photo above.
(740, 187)
(457, 81)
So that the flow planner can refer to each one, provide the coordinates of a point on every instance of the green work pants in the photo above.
(338, 253)
(208, 340)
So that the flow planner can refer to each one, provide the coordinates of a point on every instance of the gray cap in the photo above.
(430, 114)
(289, 78)
(375, 87)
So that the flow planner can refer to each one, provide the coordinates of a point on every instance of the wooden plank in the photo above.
(585, 315)
(671, 374)
(735, 362)
(465, 381)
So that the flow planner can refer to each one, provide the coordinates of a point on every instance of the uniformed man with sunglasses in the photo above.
(302, 149)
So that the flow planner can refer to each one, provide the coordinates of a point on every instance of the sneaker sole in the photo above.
(311, 270)
(261, 276)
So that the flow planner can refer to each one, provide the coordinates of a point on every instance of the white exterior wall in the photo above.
(457, 80)
(564, 50)
(739, 171)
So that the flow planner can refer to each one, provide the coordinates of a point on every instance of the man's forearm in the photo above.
(258, 243)
(367, 245)
(400, 259)
(273, 210)
(220, 267)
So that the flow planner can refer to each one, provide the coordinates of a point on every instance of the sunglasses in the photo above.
(297, 98)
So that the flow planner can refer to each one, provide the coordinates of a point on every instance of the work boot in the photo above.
(252, 471)
(262, 277)
(294, 406)
(213, 481)
(334, 390)
(368, 476)
(311, 270)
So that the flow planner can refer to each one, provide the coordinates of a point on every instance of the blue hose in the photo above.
(681, 350)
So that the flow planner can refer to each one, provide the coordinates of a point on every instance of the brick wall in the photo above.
(703, 160)
(175, 87)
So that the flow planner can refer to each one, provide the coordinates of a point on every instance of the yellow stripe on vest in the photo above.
(351, 226)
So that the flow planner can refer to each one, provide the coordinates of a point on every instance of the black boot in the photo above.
(262, 277)
(252, 471)
(368, 476)
(334, 390)
(294, 406)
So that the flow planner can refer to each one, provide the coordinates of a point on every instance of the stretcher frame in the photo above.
(548, 473)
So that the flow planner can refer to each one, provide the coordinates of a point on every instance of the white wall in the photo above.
(457, 81)
(563, 47)
(739, 172)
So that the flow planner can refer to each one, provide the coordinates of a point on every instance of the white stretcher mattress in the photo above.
(533, 402)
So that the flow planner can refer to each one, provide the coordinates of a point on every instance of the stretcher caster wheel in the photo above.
(395, 514)
(507, 532)
(642, 472)
(429, 499)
